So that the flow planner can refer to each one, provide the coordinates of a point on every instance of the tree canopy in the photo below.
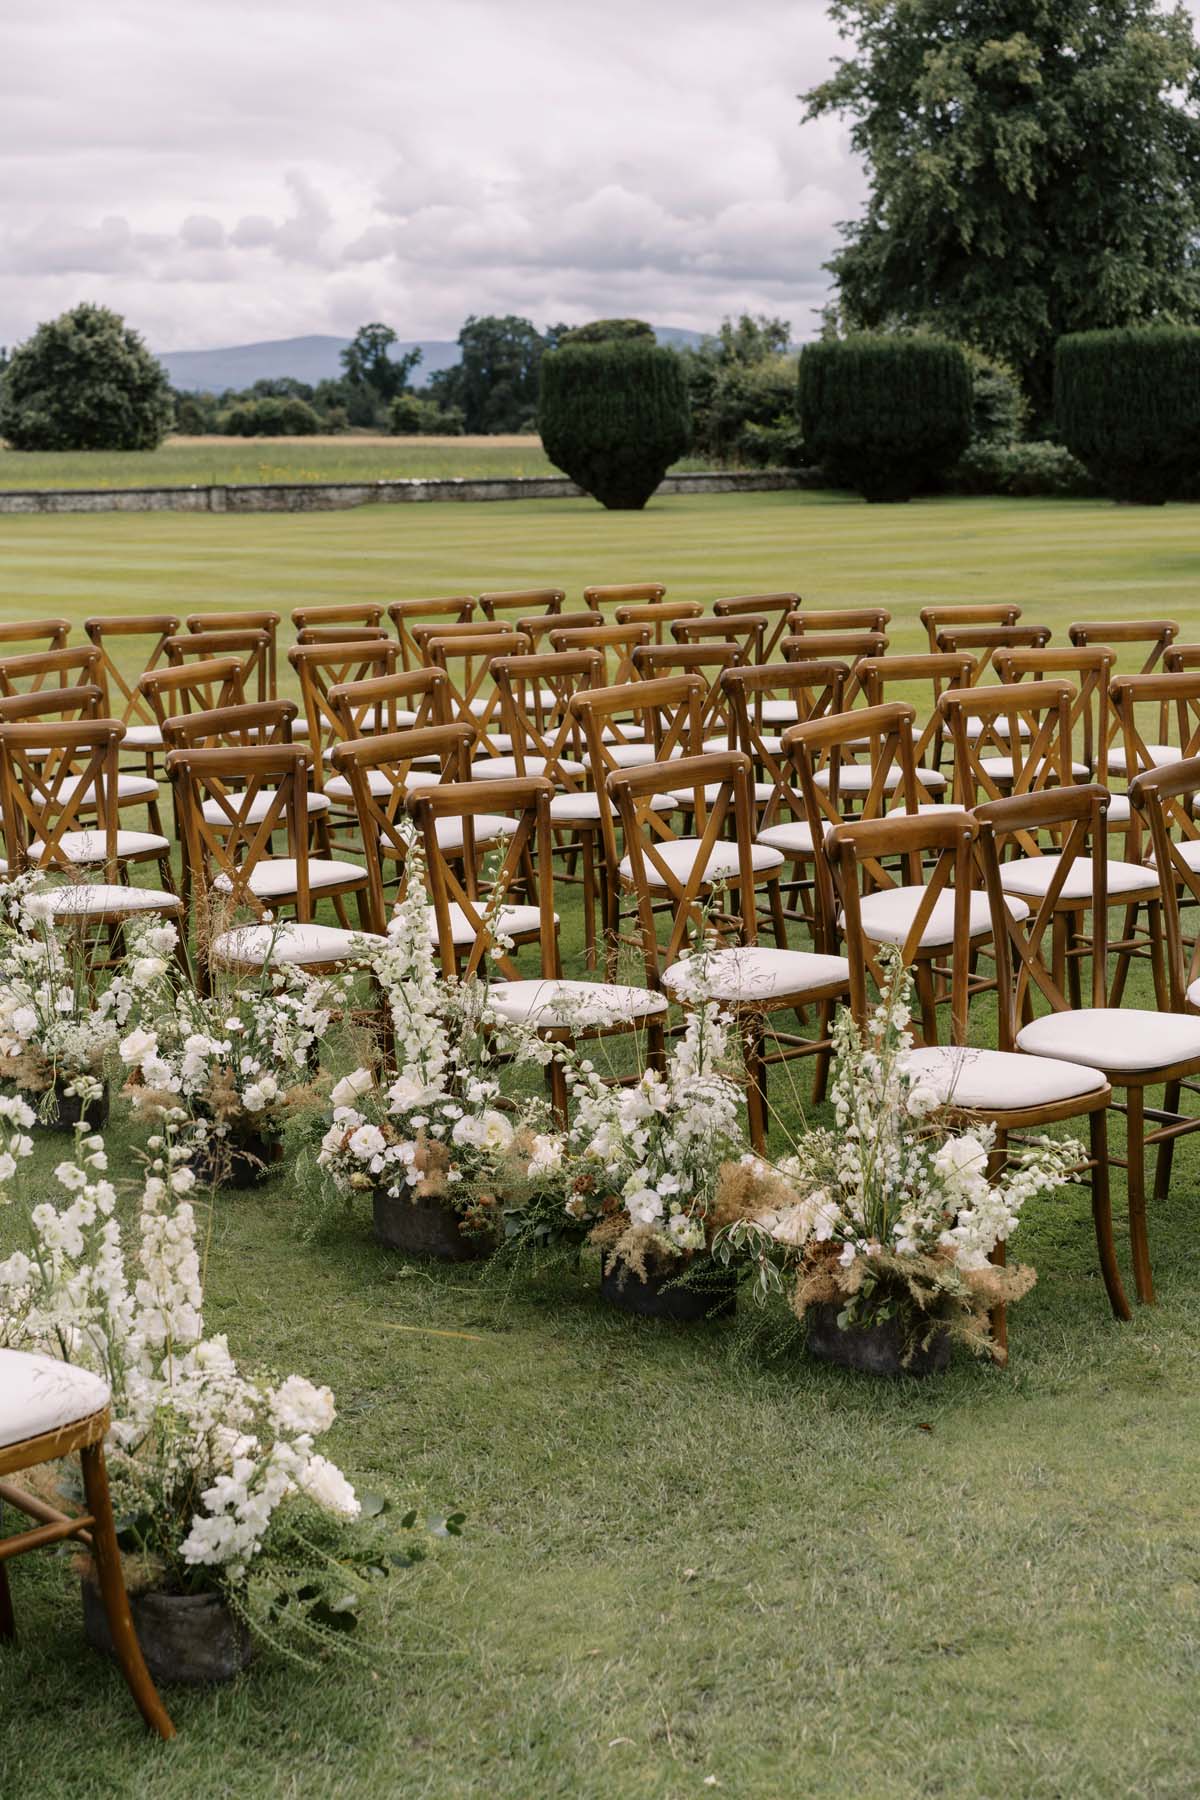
(495, 385)
(84, 381)
(1034, 169)
(368, 362)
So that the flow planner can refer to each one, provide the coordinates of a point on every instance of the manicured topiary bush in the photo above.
(614, 417)
(1127, 406)
(605, 331)
(85, 381)
(885, 414)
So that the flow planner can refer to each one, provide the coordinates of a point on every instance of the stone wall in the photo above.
(336, 496)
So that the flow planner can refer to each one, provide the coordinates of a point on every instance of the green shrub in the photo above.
(999, 409)
(607, 331)
(85, 381)
(885, 414)
(1024, 471)
(614, 417)
(239, 421)
(413, 415)
(1127, 404)
(738, 408)
(298, 418)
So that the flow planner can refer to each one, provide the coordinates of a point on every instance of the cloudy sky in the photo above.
(228, 172)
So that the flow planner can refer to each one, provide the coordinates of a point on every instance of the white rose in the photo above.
(137, 1046)
(367, 1141)
(350, 1087)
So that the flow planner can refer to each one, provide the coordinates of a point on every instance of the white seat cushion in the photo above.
(780, 712)
(1161, 755)
(142, 737)
(504, 768)
(888, 915)
(488, 828)
(566, 1005)
(584, 808)
(1000, 768)
(999, 726)
(1118, 810)
(1001, 1080)
(625, 734)
(1188, 850)
(794, 838)
(856, 778)
(88, 846)
(514, 921)
(942, 809)
(259, 807)
(756, 972)
(129, 787)
(288, 943)
(277, 875)
(481, 702)
(638, 756)
(379, 783)
(39, 1394)
(679, 855)
(92, 899)
(1032, 875)
(1118, 1039)
(686, 795)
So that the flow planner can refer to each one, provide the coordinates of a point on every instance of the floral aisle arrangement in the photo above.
(239, 1061)
(61, 1011)
(215, 1473)
(880, 1228)
(448, 1159)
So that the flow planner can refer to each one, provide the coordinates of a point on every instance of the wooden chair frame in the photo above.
(958, 615)
(457, 609)
(781, 608)
(546, 601)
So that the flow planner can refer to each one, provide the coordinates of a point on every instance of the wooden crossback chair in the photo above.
(941, 670)
(32, 671)
(545, 601)
(538, 626)
(997, 1087)
(1141, 646)
(1090, 670)
(26, 697)
(381, 773)
(558, 1010)
(258, 793)
(708, 660)
(835, 646)
(623, 593)
(252, 647)
(350, 612)
(344, 634)
(471, 693)
(444, 609)
(58, 800)
(1174, 703)
(985, 644)
(214, 681)
(124, 700)
(708, 887)
(779, 608)
(745, 631)
(616, 644)
(669, 710)
(48, 634)
(953, 615)
(406, 700)
(223, 619)
(1134, 1049)
(320, 668)
(659, 615)
(50, 1410)
(839, 618)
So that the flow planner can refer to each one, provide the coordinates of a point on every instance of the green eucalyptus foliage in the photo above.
(1033, 165)
(1127, 406)
(614, 417)
(886, 414)
(84, 381)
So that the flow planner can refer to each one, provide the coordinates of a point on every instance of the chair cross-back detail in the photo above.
(33, 671)
(709, 661)
(777, 608)
(204, 686)
(446, 609)
(238, 620)
(952, 616)
(48, 634)
(252, 647)
(322, 667)
(537, 627)
(142, 731)
(472, 695)
(877, 674)
(659, 615)
(616, 644)
(546, 601)
(745, 631)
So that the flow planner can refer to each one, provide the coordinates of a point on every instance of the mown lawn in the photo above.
(694, 1562)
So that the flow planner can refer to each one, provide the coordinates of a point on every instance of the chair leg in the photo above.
(822, 1058)
(923, 975)
(1135, 1159)
(1172, 1095)
(8, 1624)
(107, 1558)
(1102, 1216)
(556, 1083)
(756, 1083)
(778, 921)
(1129, 920)
(999, 1256)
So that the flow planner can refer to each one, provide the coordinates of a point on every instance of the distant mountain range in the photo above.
(313, 359)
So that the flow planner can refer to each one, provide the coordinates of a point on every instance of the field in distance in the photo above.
(203, 461)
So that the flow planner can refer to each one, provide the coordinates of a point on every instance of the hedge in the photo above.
(885, 414)
(1127, 405)
(614, 417)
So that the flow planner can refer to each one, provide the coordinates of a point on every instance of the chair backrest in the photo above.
(985, 643)
(254, 722)
(538, 626)
(1165, 799)
(252, 645)
(322, 667)
(1181, 659)
(1151, 638)
(344, 634)
(50, 775)
(945, 617)
(659, 615)
(65, 703)
(214, 681)
(33, 670)
(382, 703)
(835, 646)
(1173, 704)
(455, 882)
(668, 710)
(228, 620)
(708, 660)
(424, 633)
(347, 612)
(720, 789)
(535, 710)
(839, 618)
(471, 694)
(521, 600)
(600, 597)
(1021, 744)
(456, 609)
(221, 851)
(877, 674)
(125, 700)
(816, 689)
(745, 631)
(1076, 817)
(616, 644)
(778, 608)
(936, 853)
(46, 634)
(1091, 670)
(381, 772)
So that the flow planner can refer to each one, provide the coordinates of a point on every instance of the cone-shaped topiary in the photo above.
(85, 381)
(885, 414)
(614, 417)
(1127, 405)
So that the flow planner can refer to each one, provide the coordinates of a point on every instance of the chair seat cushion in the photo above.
(756, 972)
(39, 1394)
(214, 814)
(1001, 1080)
(639, 756)
(999, 727)
(856, 778)
(504, 768)
(1118, 1039)
(1161, 755)
(142, 737)
(1032, 875)
(129, 787)
(379, 783)
(96, 899)
(488, 828)
(624, 734)
(564, 1005)
(288, 943)
(780, 712)
(794, 838)
(514, 921)
(1188, 851)
(1118, 810)
(942, 809)
(888, 915)
(1000, 768)
(584, 808)
(712, 792)
(276, 876)
(88, 846)
(679, 855)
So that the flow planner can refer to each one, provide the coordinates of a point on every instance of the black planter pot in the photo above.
(68, 1110)
(193, 1639)
(425, 1227)
(872, 1349)
(241, 1160)
(664, 1296)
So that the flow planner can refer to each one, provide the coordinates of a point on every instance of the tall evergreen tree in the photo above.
(1034, 169)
